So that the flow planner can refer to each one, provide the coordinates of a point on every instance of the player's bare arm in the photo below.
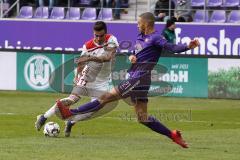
(80, 67)
(105, 58)
(81, 60)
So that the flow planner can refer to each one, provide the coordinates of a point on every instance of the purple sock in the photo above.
(156, 126)
(88, 107)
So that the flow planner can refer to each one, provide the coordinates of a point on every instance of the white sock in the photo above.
(50, 112)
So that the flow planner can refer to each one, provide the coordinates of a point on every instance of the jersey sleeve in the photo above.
(160, 41)
(84, 51)
(113, 42)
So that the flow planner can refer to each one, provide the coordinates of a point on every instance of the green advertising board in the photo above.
(37, 72)
(188, 76)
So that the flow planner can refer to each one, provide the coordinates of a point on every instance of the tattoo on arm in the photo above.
(105, 58)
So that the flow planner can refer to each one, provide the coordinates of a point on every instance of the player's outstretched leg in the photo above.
(41, 119)
(65, 112)
(158, 127)
(92, 106)
(155, 125)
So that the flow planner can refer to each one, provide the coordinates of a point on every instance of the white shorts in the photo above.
(95, 91)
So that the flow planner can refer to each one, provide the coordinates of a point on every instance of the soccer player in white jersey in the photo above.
(92, 77)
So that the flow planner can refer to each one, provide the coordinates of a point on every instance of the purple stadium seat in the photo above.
(41, 12)
(57, 13)
(5, 6)
(105, 14)
(85, 2)
(231, 3)
(198, 3)
(89, 14)
(25, 12)
(234, 17)
(214, 3)
(201, 16)
(73, 13)
(218, 16)
(125, 4)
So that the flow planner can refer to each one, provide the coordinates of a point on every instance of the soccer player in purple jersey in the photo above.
(149, 45)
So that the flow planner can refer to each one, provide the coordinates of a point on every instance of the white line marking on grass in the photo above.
(7, 113)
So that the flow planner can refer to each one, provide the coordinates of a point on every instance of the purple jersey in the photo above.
(148, 49)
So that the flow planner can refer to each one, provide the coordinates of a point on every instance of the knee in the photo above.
(102, 98)
(105, 98)
(72, 99)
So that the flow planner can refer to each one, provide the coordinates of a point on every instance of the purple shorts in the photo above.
(135, 88)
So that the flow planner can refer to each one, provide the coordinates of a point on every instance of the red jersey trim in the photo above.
(90, 44)
(107, 37)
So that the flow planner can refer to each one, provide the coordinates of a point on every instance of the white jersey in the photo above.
(94, 74)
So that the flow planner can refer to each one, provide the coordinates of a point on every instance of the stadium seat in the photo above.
(89, 14)
(214, 3)
(57, 13)
(41, 12)
(234, 17)
(201, 16)
(85, 2)
(73, 13)
(125, 4)
(105, 14)
(231, 3)
(5, 6)
(198, 3)
(25, 12)
(218, 16)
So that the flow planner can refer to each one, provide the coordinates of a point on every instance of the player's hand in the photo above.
(82, 59)
(193, 44)
(132, 59)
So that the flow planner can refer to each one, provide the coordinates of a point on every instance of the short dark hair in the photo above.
(170, 22)
(148, 17)
(100, 25)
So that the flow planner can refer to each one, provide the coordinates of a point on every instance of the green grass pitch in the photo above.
(210, 126)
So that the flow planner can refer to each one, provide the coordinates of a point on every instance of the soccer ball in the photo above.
(51, 129)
